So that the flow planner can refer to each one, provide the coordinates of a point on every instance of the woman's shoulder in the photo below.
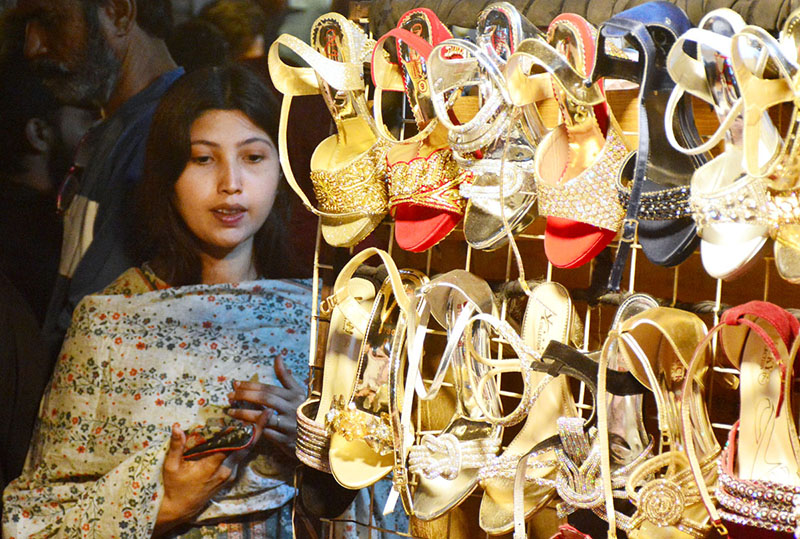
(135, 281)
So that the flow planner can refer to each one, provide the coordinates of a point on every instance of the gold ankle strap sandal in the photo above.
(656, 345)
(361, 447)
(348, 169)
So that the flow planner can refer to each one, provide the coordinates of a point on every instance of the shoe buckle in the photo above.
(630, 230)
(327, 306)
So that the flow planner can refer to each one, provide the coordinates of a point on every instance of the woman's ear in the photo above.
(39, 135)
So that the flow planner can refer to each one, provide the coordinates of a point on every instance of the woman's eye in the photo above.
(201, 159)
(254, 158)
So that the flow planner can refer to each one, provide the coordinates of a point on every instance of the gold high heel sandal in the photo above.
(656, 345)
(348, 169)
(358, 420)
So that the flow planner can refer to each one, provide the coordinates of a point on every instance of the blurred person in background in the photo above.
(38, 136)
(243, 24)
(197, 43)
(109, 54)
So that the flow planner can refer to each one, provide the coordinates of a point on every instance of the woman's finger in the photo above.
(268, 399)
(286, 377)
(284, 441)
(255, 395)
(177, 441)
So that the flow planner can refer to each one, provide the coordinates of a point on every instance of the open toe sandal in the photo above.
(766, 69)
(523, 477)
(424, 178)
(347, 310)
(549, 315)
(629, 444)
(654, 182)
(497, 143)
(348, 169)
(445, 463)
(729, 206)
(358, 420)
(759, 469)
(657, 345)
(575, 161)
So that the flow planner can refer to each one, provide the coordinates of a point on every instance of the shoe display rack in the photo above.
(686, 286)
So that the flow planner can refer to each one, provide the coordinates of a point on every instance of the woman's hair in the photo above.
(165, 239)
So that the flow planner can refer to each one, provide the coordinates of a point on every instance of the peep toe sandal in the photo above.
(657, 191)
(348, 169)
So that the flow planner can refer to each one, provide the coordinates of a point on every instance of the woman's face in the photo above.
(226, 191)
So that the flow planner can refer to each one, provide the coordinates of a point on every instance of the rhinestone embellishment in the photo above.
(591, 197)
(662, 502)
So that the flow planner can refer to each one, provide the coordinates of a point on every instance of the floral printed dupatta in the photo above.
(133, 364)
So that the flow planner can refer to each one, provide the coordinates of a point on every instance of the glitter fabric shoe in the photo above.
(348, 169)
(424, 178)
(759, 483)
(654, 182)
(575, 162)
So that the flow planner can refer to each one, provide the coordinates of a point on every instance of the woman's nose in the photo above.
(230, 180)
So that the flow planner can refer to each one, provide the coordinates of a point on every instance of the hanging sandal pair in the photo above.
(357, 418)
(574, 163)
(657, 345)
(348, 169)
(759, 469)
(729, 206)
(444, 462)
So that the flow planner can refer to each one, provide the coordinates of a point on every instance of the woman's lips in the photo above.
(229, 215)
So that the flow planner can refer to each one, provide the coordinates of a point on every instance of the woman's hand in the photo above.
(280, 421)
(190, 484)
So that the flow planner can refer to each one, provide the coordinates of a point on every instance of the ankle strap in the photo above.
(785, 325)
(690, 76)
(297, 81)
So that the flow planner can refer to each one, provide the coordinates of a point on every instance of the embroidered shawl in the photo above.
(131, 365)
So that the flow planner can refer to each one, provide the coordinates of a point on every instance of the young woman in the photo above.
(177, 345)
